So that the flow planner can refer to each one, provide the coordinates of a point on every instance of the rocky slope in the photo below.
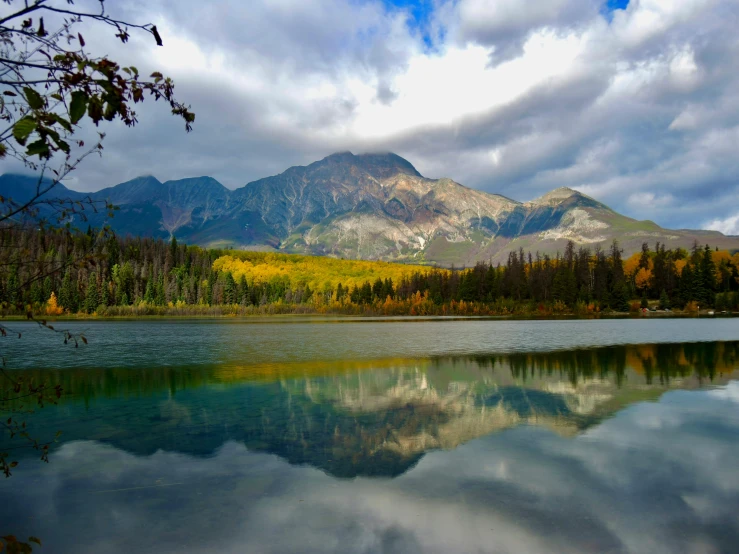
(372, 206)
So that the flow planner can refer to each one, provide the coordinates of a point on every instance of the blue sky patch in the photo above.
(611, 6)
(420, 10)
(617, 4)
(420, 13)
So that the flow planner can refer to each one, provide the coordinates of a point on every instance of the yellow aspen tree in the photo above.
(52, 306)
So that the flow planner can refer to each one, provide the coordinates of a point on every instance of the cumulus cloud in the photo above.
(511, 96)
(728, 226)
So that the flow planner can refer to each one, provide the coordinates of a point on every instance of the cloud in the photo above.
(649, 479)
(728, 226)
(510, 96)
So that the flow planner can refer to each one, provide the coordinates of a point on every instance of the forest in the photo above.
(52, 272)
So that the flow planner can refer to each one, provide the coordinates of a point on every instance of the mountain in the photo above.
(370, 417)
(371, 206)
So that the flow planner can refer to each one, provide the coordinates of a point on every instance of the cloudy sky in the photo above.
(633, 102)
(656, 477)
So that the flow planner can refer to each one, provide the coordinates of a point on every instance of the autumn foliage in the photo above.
(142, 277)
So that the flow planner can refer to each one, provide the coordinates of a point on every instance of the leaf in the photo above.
(34, 98)
(63, 145)
(38, 148)
(9, 93)
(23, 128)
(61, 121)
(34, 539)
(82, 41)
(78, 106)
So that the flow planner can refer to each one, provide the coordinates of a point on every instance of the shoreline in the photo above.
(707, 314)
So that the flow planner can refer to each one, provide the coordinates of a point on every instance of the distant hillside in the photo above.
(370, 206)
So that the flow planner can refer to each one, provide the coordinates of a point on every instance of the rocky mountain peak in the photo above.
(369, 206)
(380, 165)
(563, 194)
(386, 165)
(141, 189)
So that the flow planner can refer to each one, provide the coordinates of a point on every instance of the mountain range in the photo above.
(369, 206)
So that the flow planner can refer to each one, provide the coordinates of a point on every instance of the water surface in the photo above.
(383, 436)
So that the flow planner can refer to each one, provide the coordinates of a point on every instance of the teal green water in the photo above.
(327, 435)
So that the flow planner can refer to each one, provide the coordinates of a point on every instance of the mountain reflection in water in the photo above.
(445, 455)
(369, 417)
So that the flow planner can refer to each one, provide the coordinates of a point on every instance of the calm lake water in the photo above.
(337, 435)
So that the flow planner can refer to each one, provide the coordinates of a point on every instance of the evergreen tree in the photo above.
(708, 277)
(92, 298)
(366, 293)
(619, 297)
(37, 293)
(686, 291)
(229, 290)
(68, 293)
(47, 288)
(150, 292)
(105, 293)
(378, 288)
(645, 258)
(356, 295)
(243, 291)
(664, 301)
(160, 297)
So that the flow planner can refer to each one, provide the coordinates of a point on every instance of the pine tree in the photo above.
(378, 288)
(229, 289)
(68, 294)
(243, 291)
(149, 292)
(105, 293)
(92, 298)
(619, 297)
(47, 288)
(160, 297)
(664, 301)
(708, 277)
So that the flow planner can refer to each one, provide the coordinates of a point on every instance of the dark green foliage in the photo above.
(133, 271)
(619, 297)
(230, 290)
(664, 301)
(92, 297)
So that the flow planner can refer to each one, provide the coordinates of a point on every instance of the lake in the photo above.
(381, 435)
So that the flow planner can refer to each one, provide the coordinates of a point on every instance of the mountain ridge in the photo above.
(370, 206)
